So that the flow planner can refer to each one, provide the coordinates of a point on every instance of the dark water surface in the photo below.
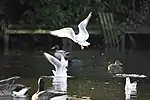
(89, 71)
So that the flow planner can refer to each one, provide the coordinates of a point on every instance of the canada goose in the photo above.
(80, 38)
(40, 89)
(115, 68)
(46, 94)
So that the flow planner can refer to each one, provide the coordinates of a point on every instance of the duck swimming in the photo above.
(40, 89)
(115, 68)
(80, 38)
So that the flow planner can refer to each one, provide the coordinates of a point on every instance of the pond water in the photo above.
(89, 69)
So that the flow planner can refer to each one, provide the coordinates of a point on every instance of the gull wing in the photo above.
(53, 60)
(82, 27)
(10, 79)
(64, 32)
(64, 61)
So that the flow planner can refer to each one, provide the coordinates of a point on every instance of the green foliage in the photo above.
(62, 13)
(113, 6)
(59, 13)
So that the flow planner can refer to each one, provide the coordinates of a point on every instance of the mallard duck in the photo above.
(80, 38)
(115, 68)
(58, 52)
(47, 94)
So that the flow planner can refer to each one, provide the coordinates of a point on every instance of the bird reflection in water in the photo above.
(130, 89)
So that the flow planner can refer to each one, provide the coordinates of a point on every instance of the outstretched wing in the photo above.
(53, 60)
(10, 79)
(64, 61)
(82, 28)
(64, 32)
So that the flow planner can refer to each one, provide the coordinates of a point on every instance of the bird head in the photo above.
(128, 80)
(41, 83)
(117, 62)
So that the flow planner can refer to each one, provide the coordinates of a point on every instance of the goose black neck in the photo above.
(41, 84)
